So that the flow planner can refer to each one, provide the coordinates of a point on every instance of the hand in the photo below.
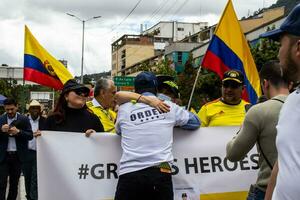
(5, 128)
(161, 106)
(37, 133)
(89, 132)
(13, 131)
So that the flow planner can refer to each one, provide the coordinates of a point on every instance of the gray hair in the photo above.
(101, 84)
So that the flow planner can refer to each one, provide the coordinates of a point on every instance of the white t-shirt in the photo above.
(34, 127)
(147, 135)
(288, 146)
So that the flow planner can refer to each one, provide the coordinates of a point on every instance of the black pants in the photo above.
(10, 167)
(30, 174)
(146, 184)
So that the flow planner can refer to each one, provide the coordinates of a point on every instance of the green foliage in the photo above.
(164, 68)
(21, 93)
(264, 51)
(186, 81)
(145, 66)
(207, 87)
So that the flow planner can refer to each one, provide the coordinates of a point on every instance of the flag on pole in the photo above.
(228, 49)
(41, 67)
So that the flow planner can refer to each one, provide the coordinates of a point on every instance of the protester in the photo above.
(14, 135)
(288, 138)
(167, 89)
(146, 137)
(259, 127)
(71, 113)
(29, 167)
(230, 109)
(122, 97)
(103, 103)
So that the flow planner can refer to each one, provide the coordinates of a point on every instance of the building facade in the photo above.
(13, 74)
(176, 40)
(128, 50)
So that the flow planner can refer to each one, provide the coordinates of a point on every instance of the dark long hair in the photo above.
(59, 111)
(61, 106)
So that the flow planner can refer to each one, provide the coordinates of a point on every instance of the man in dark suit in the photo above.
(30, 166)
(14, 136)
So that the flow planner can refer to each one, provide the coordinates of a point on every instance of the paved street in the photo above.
(22, 189)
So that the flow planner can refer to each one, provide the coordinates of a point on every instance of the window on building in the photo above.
(123, 53)
(180, 29)
(123, 64)
(180, 57)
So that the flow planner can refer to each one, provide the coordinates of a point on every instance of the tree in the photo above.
(164, 68)
(207, 87)
(186, 80)
(21, 93)
(264, 51)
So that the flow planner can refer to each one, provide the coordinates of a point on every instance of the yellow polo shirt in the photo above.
(106, 116)
(217, 113)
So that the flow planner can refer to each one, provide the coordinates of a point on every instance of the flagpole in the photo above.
(194, 86)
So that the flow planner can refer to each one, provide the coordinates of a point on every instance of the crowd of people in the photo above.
(145, 165)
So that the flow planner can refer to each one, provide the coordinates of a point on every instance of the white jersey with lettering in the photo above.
(147, 135)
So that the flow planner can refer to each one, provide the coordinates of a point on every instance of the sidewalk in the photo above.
(21, 193)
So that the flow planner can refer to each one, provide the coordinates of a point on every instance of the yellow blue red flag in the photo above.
(41, 67)
(228, 49)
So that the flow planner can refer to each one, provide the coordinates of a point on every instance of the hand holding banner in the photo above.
(86, 168)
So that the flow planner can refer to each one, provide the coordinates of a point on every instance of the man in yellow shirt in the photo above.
(230, 109)
(103, 103)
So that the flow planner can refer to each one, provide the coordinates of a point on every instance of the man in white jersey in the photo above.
(288, 137)
(147, 137)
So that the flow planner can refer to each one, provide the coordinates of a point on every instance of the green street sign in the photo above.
(124, 80)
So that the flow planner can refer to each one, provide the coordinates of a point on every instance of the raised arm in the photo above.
(124, 97)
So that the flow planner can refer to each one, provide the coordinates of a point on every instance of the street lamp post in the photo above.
(82, 47)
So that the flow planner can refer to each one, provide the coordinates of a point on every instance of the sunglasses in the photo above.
(81, 92)
(231, 84)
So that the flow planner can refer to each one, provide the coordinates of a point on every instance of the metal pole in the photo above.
(193, 90)
(82, 48)
(82, 51)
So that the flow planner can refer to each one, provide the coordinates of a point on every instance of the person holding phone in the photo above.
(14, 136)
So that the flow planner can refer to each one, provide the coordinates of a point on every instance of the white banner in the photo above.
(72, 166)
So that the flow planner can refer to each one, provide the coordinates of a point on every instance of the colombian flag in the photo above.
(229, 49)
(42, 68)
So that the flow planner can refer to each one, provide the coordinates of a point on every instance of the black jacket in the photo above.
(23, 124)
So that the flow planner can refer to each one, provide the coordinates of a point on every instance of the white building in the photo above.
(13, 74)
(172, 31)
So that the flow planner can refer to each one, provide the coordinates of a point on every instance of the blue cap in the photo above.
(291, 25)
(145, 80)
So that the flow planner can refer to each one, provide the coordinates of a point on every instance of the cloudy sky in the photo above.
(61, 34)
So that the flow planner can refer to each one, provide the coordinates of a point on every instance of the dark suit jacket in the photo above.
(42, 122)
(23, 124)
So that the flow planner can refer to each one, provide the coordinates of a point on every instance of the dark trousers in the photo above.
(30, 174)
(146, 184)
(10, 167)
(255, 193)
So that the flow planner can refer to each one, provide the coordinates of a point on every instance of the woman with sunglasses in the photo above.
(71, 113)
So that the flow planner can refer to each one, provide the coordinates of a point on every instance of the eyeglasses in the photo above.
(81, 92)
(231, 84)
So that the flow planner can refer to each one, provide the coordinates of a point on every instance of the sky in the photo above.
(61, 34)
